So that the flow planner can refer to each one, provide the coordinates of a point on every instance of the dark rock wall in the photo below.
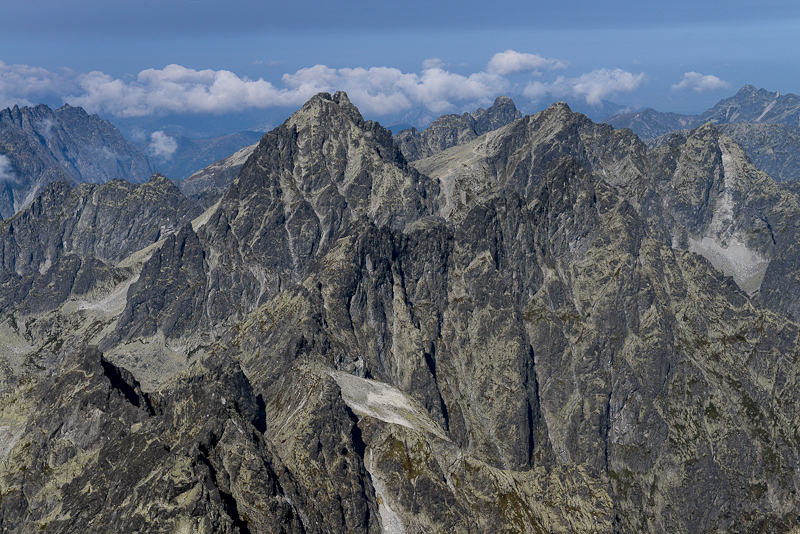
(548, 357)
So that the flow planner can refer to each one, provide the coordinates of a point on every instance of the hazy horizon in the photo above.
(200, 61)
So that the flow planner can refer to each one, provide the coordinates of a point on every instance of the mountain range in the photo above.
(185, 156)
(87, 149)
(766, 124)
(550, 326)
(39, 146)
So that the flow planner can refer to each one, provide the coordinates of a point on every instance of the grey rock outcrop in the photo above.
(95, 448)
(42, 146)
(452, 130)
(764, 123)
(108, 222)
(209, 184)
(515, 334)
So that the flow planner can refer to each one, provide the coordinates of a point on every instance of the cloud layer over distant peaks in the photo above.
(592, 87)
(376, 91)
(24, 85)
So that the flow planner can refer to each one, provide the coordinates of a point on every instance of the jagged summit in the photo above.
(452, 130)
(317, 106)
(765, 123)
(502, 112)
(756, 106)
(524, 333)
(43, 146)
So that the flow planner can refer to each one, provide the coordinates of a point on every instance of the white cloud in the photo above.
(138, 135)
(6, 171)
(433, 63)
(176, 89)
(45, 128)
(511, 61)
(26, 86)
(383, 90)
(593, 86)
(697, 82)
(162, 146)
(377, 91)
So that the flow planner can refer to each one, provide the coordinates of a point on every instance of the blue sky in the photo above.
(213, 58)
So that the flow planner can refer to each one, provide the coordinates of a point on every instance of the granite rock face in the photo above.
(109, 222)
(70, 238)
(41, 146)
(773, 148)
(208, 184)
(98, 455)
(764, 123)
(522, 333)
(67, 259)
(452, 130)
(304, 184)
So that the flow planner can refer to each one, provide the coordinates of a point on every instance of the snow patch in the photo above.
(746, 266)
(385, 402)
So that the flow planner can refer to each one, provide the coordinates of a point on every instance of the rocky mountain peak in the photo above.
(451, 130)
(556, 112)
(502, 112)
(321, 352)
(159, 179)
(747, 90)
(341, 98)
(44, 146)
(305, 184)
(765, 123)
(324, 107)
(755, 105)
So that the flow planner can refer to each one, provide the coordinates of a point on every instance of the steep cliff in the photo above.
(764, 123)
(40, 146)
(452, 130)
(523, 333)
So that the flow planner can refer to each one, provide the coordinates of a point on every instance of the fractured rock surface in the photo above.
(549, 328)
